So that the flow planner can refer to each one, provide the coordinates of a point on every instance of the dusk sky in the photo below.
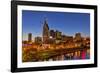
(66, 22)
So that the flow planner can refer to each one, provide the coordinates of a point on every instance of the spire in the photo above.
(46, 23)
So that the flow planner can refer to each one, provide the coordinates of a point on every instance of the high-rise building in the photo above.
(52, 33)
(58, 35)
(30, 37)
(46, 33)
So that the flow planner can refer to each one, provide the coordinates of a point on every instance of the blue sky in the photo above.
(66, 22)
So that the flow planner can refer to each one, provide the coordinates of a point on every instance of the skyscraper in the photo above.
(30, 37)
(58, 35)
(52, 33)
(45, 32)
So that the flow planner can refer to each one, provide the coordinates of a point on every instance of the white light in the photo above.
(51, 37)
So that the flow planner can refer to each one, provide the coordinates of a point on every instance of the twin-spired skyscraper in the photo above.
(46, 33)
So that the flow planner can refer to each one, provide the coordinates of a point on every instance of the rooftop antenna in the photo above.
(45, 19)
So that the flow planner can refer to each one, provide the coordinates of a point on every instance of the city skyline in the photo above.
(32, 22)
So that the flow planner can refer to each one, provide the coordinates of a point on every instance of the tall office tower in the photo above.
(52, 33)
(45, 32)
(30, 37)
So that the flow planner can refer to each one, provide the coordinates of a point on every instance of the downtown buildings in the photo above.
(55, 39)
(51, 36)
(53, 42)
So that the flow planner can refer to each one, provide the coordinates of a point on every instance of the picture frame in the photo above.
(17, 29)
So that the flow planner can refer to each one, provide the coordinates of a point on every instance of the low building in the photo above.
(67, 38)
(38, 40)
(78, 37)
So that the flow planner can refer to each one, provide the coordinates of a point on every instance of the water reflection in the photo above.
(73, 56)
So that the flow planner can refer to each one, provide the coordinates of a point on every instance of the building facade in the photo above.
(78, 37)
(38, 40)
(30, 37)
(58, 35)
(46, 33)
(52, 34)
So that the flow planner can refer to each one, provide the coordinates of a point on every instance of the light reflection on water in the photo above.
(84, 55)
(76, 56)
